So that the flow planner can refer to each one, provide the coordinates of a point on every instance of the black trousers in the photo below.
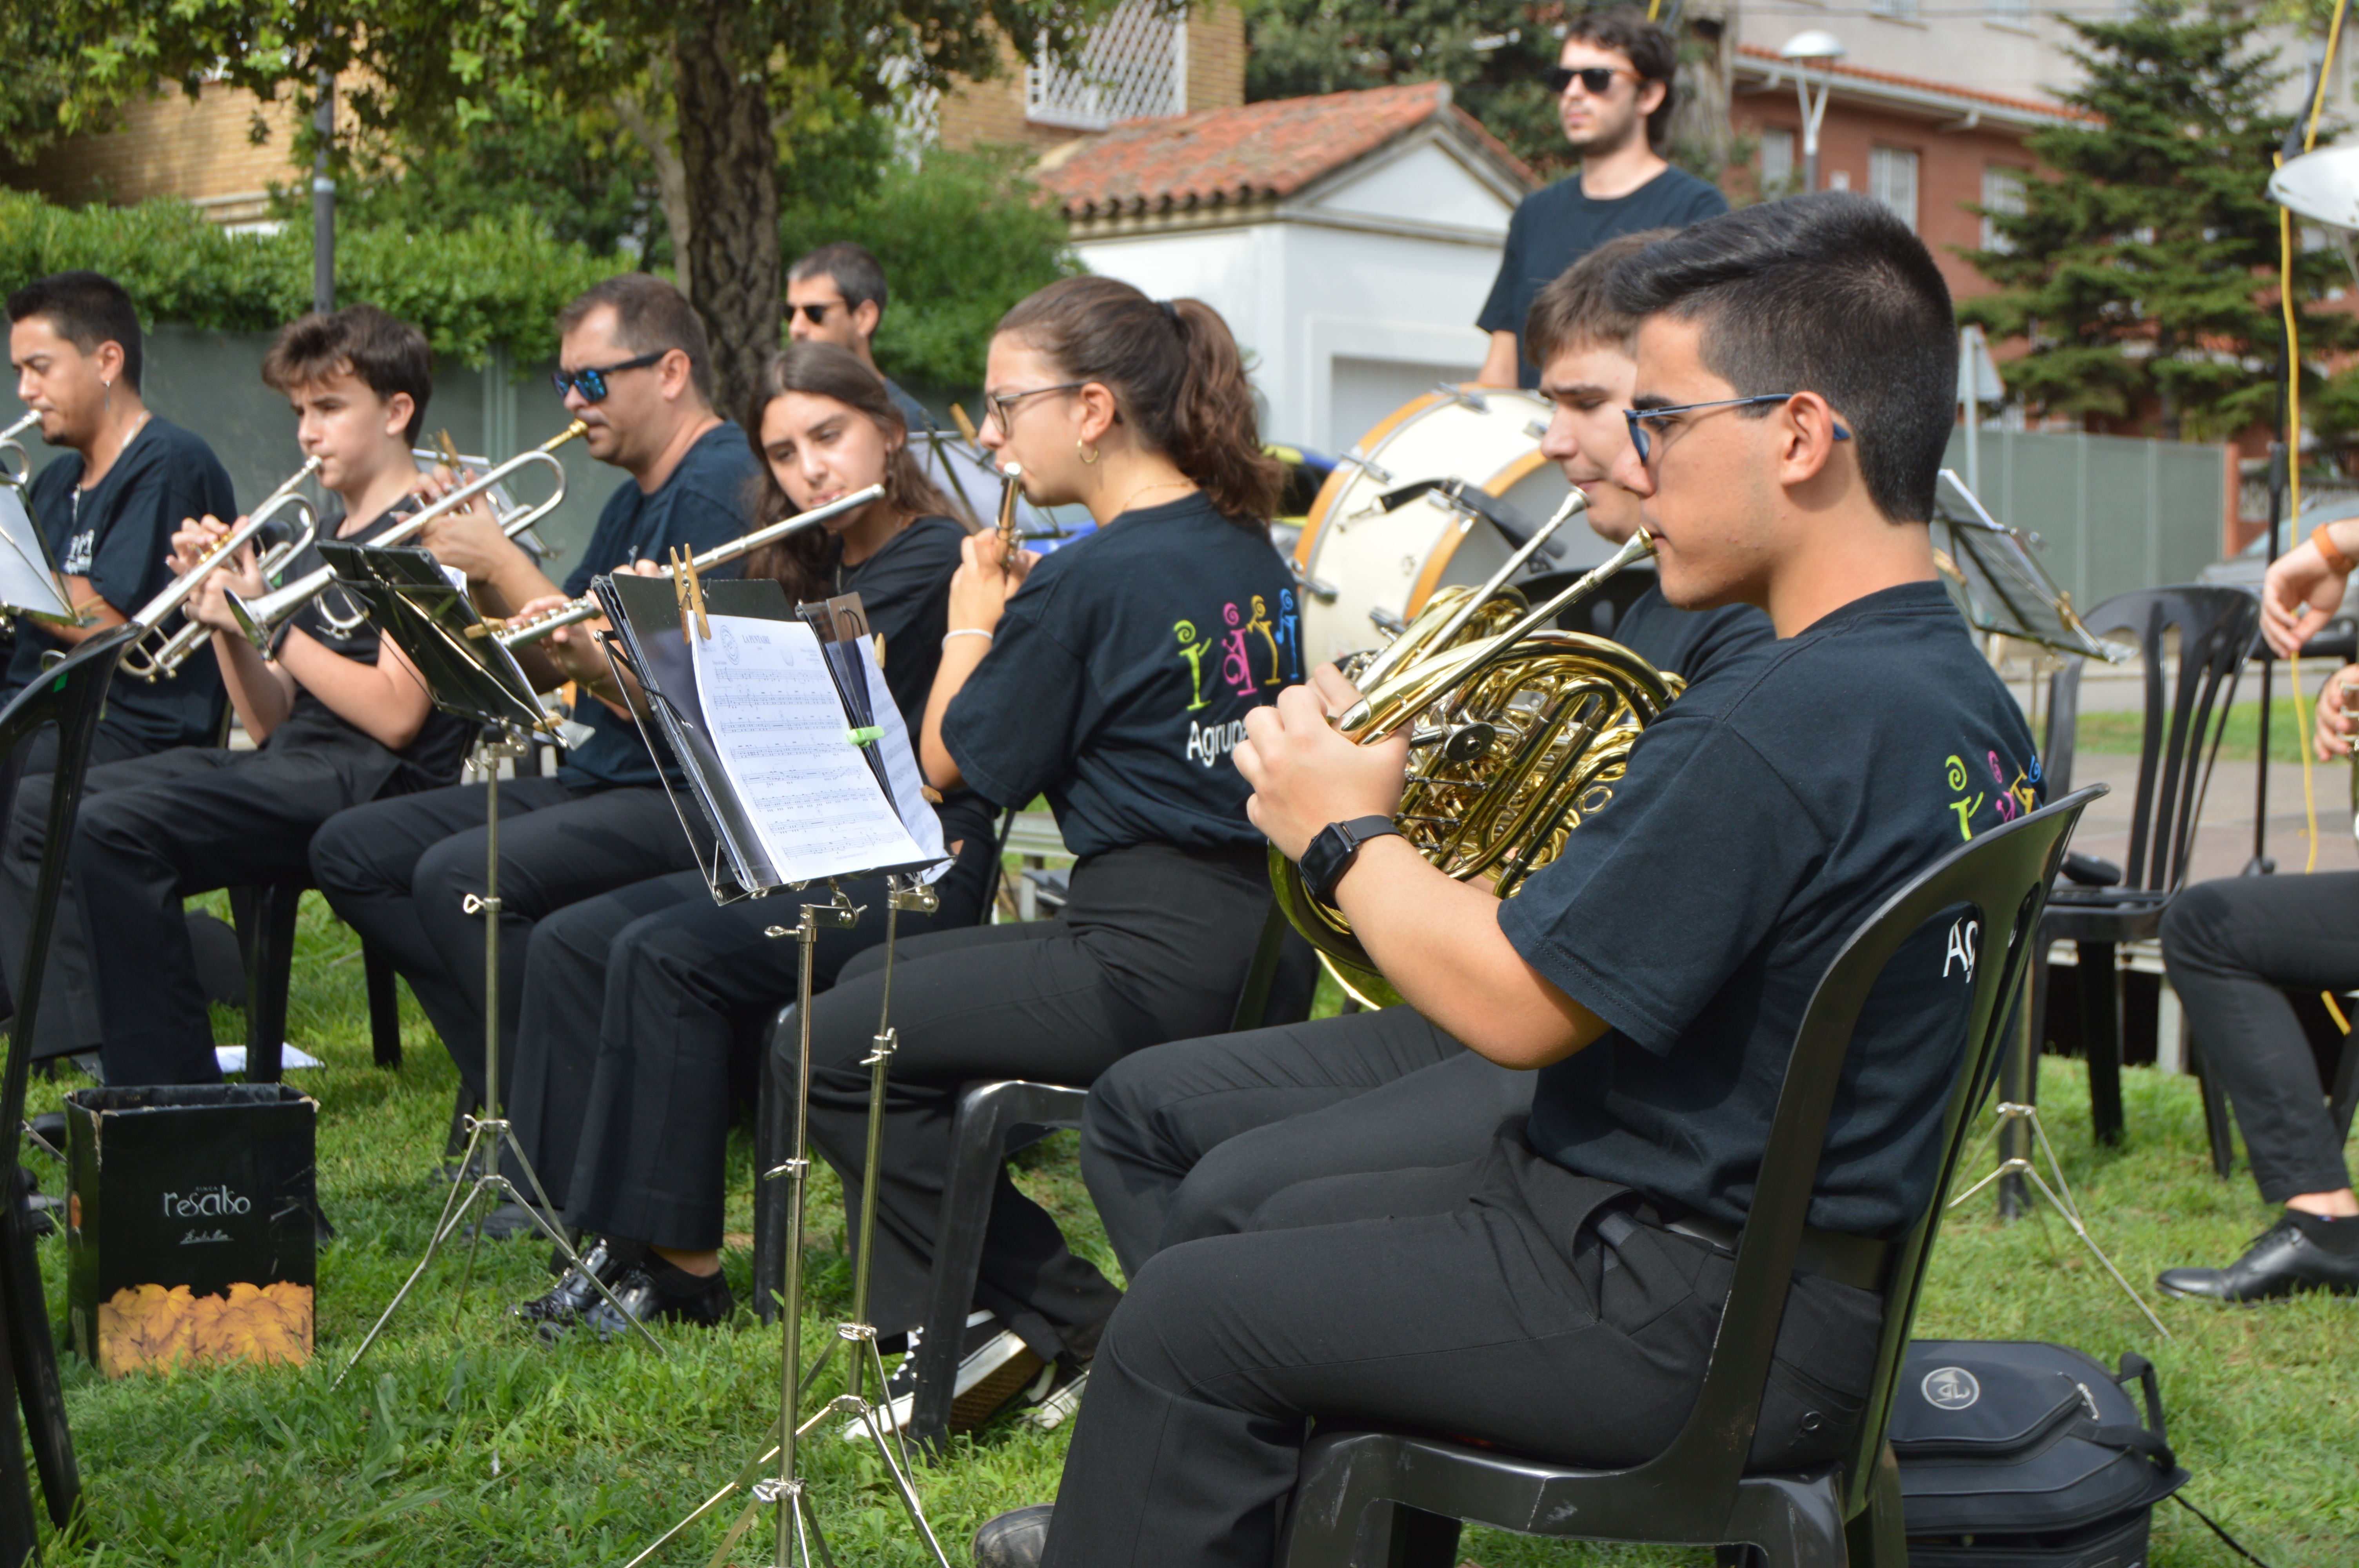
(638, 1005)
(2230, 945)
(1189, 1140)
(1154, 945)
(153, 830)
(69, 1019)
(1476, 1301)
(399, 872)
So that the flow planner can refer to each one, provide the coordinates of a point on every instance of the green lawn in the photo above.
(2118, 732)
(469, 1443)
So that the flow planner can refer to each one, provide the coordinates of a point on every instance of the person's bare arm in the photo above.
(2303, 592)
(262, 693)
(1436, 939)
(979, 593)
(385, 700)
(97, 615)
(1499, 365)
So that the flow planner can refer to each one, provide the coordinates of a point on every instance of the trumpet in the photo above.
(166, 658)
(1010, 541)
(260, 619)
(23, 468)
(532, 628)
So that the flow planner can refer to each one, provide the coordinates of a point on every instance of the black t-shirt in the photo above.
(338, 623)
(118, 534)
(1764, 817)
(1690, 643)
(707, 500)
(1120, 677)
(1556, 226)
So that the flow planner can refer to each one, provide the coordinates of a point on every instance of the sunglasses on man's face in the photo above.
(592, 382)
(816, 312)
(1596, 79)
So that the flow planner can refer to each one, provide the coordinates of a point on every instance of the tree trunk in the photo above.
(671, 177)
(729, 160)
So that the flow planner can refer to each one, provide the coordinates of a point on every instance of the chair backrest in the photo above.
(2180, 737)
(2002, 878)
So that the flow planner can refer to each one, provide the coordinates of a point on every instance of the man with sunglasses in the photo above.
(1559, 1294)
(836, 295)
(635, 366)
(1613, 88)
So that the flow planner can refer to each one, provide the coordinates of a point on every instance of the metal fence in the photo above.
(2116, 513)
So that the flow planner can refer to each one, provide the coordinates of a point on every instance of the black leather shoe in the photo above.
(572, 1294)
(2282, 1261)
(1015, 1539)
(646, 1301)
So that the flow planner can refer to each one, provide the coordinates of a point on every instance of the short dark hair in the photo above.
(388, 355)
(85, 309)
(1827, 293)
(1650, 49)
(858, 276)
(1574, 309)
(650, 317)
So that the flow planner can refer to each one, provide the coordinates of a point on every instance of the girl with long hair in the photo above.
(633, 1001)
(1111, 677)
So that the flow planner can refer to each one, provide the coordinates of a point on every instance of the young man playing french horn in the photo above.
(338, 718)
(1558, 1296)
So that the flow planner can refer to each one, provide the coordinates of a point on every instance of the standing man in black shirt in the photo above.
(338, 718)
(109, 507)
(636, 367)
(1189, 1139)
(1614, 85)
(1559, 1296)
(836, 295)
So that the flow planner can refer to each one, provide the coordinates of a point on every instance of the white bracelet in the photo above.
(967, 632)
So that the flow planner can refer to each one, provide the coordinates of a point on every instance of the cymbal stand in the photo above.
(799, 1537)
(2012, 1117)
(490, 1135)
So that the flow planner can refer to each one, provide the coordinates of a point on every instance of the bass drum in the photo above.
(1364, 569)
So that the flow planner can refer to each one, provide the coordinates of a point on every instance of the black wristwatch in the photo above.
(1330, 855)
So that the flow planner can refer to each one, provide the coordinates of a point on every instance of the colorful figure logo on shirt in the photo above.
(1260, 622)
(1193, 652)
(1235, 668)
(2011, 801)
(1289, 635)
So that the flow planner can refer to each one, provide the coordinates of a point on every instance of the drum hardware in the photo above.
(1454, 494)
(1367, 465)
(1465, 395)
(167, 658)
(1385, 621)
(260, 618)
(532, 628)
(1519, 731)
(1537, 429)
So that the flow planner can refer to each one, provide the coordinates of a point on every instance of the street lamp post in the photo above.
(1804, 49)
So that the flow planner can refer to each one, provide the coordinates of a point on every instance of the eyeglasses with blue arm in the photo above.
(1639, 418)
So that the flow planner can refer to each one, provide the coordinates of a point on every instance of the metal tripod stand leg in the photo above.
(490, 1135)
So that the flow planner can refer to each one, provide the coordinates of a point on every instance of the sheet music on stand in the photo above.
(30, 583)
(789, 750)
(1997, 582)
(414, 602)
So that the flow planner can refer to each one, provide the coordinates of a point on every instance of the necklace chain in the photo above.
(1159, 484)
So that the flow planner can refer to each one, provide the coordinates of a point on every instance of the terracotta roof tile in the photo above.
(1925, 84)
(1247, 153)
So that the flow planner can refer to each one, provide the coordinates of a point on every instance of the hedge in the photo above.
(490, 282)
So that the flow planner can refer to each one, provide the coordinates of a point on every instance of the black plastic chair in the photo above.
(2177, 742)
(70, 697)
(265, 916)
(1370, 1497)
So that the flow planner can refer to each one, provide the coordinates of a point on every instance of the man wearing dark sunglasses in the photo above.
(1612, 83)
(837, 294)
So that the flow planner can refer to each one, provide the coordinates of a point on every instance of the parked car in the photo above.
(2339, 638)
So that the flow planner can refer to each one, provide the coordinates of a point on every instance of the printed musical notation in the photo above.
(771, 709)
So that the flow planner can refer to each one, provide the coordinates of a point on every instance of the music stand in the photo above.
(649, 649)
(30, 583)
(1999, 584)
(470, 673)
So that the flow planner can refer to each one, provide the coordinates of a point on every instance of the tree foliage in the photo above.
(2143, 274)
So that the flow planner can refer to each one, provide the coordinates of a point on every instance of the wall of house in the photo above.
(991, 114)
(1950, 165)
(201, 150)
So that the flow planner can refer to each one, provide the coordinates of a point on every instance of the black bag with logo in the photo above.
(2027, 1456)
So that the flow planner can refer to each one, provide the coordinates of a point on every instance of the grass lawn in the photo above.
(2118, 732)
(463, 1441)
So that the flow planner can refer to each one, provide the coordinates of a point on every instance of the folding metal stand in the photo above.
(799, 1541)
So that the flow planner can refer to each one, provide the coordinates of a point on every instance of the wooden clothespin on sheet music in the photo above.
(966, 426)
(691, 593)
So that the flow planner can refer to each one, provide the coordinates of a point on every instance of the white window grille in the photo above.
(1134, 66)
(1892, 180)
(2003, 193)
(1904, 9)
(2015, 11)
(1776, 162)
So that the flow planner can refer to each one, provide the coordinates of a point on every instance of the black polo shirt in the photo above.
(118, 533)
(336, 622)
(1119, 678)
(1556, 226)
(1764, 817)
(705, 501)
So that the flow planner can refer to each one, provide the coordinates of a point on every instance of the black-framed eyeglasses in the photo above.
(1002, 404)
(1639, 418)
(815, 311)
(592, 382)
(1596, 79)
